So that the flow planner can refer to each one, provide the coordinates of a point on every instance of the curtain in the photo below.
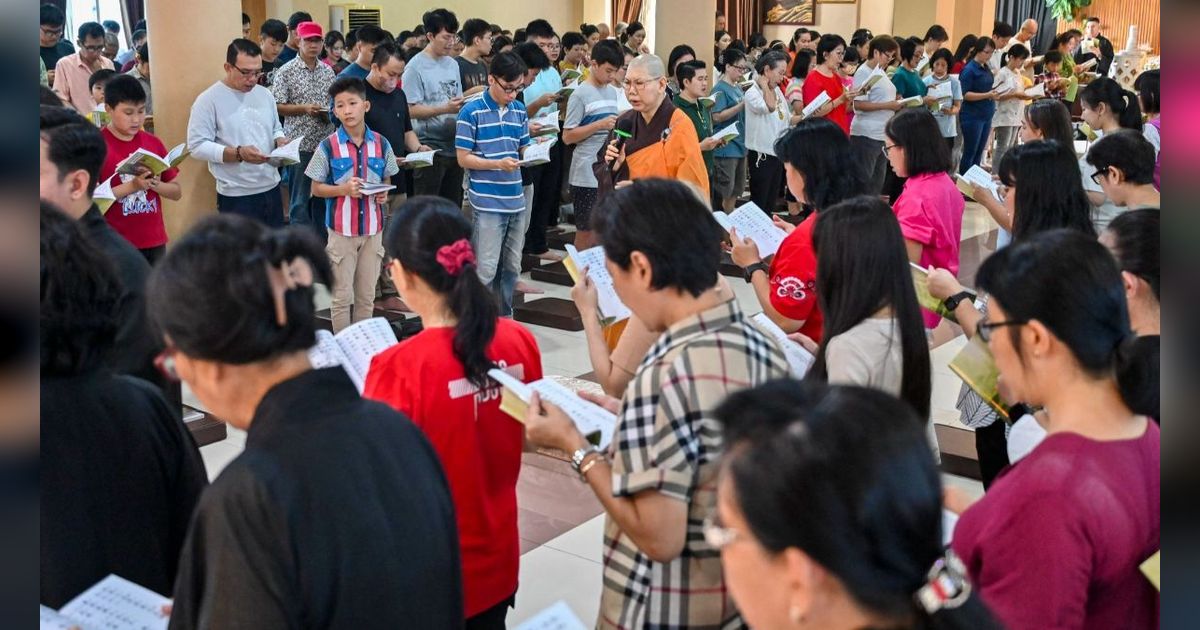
(1017, 11)
(626, 11)
(743, 17)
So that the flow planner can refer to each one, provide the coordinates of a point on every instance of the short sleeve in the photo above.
(846, 363)
(390, 166)
(318, 166)
(655, 434)
(956, 89)
(464, 135)
(575, 109)
(389, 386)
(279, 87)
(914, 222)
(793, 277)
(411, 84)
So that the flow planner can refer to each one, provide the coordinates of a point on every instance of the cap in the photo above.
(309, 29)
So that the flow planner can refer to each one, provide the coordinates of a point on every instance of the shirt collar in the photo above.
(488, 100)
(345, 137)
(715, 318)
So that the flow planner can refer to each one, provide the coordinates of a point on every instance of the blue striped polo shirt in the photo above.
(491, 134)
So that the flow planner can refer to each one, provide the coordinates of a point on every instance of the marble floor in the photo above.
(561, 522)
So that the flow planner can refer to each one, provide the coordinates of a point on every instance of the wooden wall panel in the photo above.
(1116, 16)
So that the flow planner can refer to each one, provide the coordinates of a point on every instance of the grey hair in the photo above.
(652, 63)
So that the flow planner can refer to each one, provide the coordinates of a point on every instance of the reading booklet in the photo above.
(920, 278)
(876, 76)
(103, 196)
(751, 222)
(977, 176)
(549, 122)
(745, 85)
(99, 116)
(912, 101)
(708, 101)
(537, 153)
(595, 422)
(1037, 91)
(375, 188)
(288, 153)
(941, 90)
(1087, 65)
(565, 91)
(799, 360)
(570, 74)
(923, 66)
(420, 159)
(353, 348)
(156, 163)
(556, 617)
(817, 103)
(612, 310)
(728, 133)
(976, 367)
(113, 602)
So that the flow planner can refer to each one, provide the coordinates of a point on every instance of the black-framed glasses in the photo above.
(250, 74)
(511, 89)
(888, 147)
(1101, 172)
(99, 48)
(50, 31)
(985, 328)
(743, 68)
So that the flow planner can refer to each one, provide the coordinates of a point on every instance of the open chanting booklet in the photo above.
(920, 277)
(103, 196)
(548, 121)
(556, 617)
(420, 159)
(112, 603)
(976, 176)
(912, 101)
(941, 91)
(976, 367)
(612, 309)
(353, 348)
(728, 133)
(592, 420)
(151, 160)
(569, 75)
(288, 153)
(537, 153)
(877, 75)
(565, 91)
(709, 101)
(1037, 91)
(751, 222)
(799, 360)
(817, 103)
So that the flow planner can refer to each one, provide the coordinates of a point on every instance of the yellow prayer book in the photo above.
(976, 367)
(156, 163)
(103, 196)
(921, 285)
(1152, 569)
(592, 420)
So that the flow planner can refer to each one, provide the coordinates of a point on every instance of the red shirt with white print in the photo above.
(793, 277)
(138, 216)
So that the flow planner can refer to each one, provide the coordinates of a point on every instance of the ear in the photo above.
(78, 184)
(804, 577)
(1132, 285)
(641, 271)
(1036, 339)
(368, 105)
(399, 277)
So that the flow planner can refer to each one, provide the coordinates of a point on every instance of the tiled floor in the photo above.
(560, 520)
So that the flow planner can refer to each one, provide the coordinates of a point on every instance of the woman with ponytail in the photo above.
(1106, 107)
(439, 379)
(1058, 538)
(321, 519)
(829, 514)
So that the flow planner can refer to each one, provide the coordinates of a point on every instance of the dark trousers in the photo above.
(492, 618)
(266, 206)
(547, 194)
(154, 254)
(766, 180)
(975, 136)
(869, 153)
(991, 445)
(443, 179)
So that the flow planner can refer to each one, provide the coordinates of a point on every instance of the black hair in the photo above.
(717, 35)
(572, 39)
(851, 56)
(51, 15)
(519, 36)
(1121, 102)
(242, 46)
(827, 44)
(245, 18)
(422, 226)
(49, 97)
(1049, 187)
(916, 131)
(354, 85)
(1070, 283)
(72, 143)
(846, 475)
(861, 37)
(802, 63)
(140, 25)
(882, 43)
(757, 40)
(141, 34)
(218, 271)
(101, 77)
(768, 60)
(473, 28)
(630, 30)
(419, 30)
(297, 18)
(942, 54)
(965, 46)
(688, 70)
(81, 295)
(539, 28)
(670, 225)
(90, 29)
(1053, 56)
(274, 29)
(1147, 86)
(384, 53)
(1127, 150)
(370, 34)
(143, 53)
(1066, 36)
(113, 27)
(820, 151)
(534, 57)
(730, 56)
(587, 30)
(124, 89)
(1016, 51)
(1137, 244)
(908, 48)
(738, 44)
(351, 38)
(439, 20)
(1092, 18)
(936, 33)
(500, 41)
(1051, 117)
(982, 44)
(813, 34)
(507, 66)
(496, 29)
(1003, 29)
(677, 53)
(795, 38)
(330, 38)
(862, 268)
(608, 52)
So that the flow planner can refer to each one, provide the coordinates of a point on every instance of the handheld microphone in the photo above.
(623, 131)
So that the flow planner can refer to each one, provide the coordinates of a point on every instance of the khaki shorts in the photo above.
(729, 177)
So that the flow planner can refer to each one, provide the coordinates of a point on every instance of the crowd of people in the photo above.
(734, 495)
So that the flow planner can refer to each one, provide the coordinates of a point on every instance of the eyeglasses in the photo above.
(51, 31)
(984, 328)
(888, 147)
(92, 48)
(250, 74)
(510, 89)
(1100, 173)
(165, 364)
(637, 85)
(742, 68)
(716, 536)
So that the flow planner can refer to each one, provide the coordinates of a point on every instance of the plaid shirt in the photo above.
(668, 441)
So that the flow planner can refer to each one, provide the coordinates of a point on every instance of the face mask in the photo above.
(1023, 437)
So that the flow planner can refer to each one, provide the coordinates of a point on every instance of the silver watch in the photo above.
(581, 454)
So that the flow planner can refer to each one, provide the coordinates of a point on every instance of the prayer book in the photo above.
(612, 310)
(745, 85)
(556, 617)
(113, 602)
(156, 163)
(923, 66)
(549, 122)
(920, 278)
(799, 360)
(912, 101)
(708, 101)
(103, 196)
(941, 91)
(353, 348)
(420, 159)
(565, 91)
(375, 188)
(876, 76)
(1087, 65)
(976, 367)
(977, 176)
(1037, 91)
(817, 103)
(1152, 569)
(1088, 132)
(288, 153)
(537, 153)
(99, 116)
(570, 74)
(594, 421)
(727, 134)
(751, 222)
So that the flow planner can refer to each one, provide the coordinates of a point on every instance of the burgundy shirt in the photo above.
(1057, 541)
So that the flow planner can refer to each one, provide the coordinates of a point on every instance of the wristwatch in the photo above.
(581, 454)
(953, 301)
(748, 272)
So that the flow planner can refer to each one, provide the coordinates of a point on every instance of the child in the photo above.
(591, 113)
(1011, 103)
(693, 83)
(946, 110)
(351, 156)
(618, 82)
(846, 70)
(137, 212)
(575, 56)
(96, 83)
(1056, 84)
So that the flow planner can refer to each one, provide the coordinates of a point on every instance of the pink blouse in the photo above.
(930, 211)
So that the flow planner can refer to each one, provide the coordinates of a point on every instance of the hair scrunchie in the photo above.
(455, 256)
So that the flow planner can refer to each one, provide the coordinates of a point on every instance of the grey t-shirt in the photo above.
(587, 105)
(432, 82)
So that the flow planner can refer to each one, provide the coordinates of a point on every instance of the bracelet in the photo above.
(595, 457)
(237, 152)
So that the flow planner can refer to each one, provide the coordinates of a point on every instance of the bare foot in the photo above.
(524, 287)
(551, 256)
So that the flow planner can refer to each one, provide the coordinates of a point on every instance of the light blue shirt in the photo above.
(547, 81)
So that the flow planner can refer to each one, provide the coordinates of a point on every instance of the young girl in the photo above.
(439, 380)
(1147, 86)
(795, 89)
(850, 60)
(1106, 107)
(946, 110)
(1047, 119)
(1007, 119)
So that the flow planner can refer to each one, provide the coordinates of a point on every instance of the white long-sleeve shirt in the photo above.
(224, 117)
(764, 126)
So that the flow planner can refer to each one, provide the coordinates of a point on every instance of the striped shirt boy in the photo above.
(493, 133)
(335, 161)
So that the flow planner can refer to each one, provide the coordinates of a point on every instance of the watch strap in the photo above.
(748, 272)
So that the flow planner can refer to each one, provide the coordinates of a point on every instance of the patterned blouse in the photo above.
(295, 84)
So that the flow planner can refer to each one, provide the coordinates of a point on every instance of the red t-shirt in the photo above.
(793, 276)
(138, 217)
(815, 83)
(1057, 540)
(478, 444)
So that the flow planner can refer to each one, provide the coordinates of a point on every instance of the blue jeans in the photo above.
(498, 239)
(975, 136)
(266, 207)
(303, 208)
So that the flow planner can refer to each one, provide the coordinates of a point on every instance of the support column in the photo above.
(187, 49)
(690, 22)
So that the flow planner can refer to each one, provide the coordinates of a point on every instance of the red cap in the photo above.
(309, 29)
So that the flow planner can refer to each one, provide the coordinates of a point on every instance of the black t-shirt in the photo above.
(389, 116)
(472, 73)
(51, 55)
(268, 69)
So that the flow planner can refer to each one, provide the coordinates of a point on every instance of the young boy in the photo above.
(591, 113)
(96, 84)
(351, 156)
(137, 212)
(575, 54)
(693, 84)
(1056, 85)
(492, 131)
